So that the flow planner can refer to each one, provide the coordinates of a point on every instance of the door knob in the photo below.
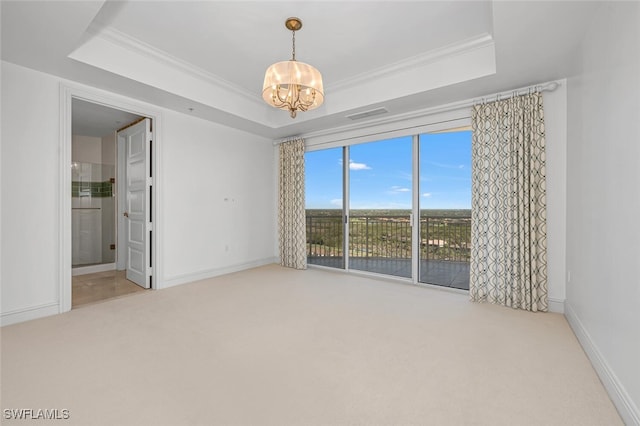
(125, 214)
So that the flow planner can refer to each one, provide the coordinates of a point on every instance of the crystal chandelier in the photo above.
(292, 85)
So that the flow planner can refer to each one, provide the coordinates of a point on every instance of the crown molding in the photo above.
(139, 47)
(422, 59)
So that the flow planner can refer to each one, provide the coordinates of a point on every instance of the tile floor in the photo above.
(92, 288)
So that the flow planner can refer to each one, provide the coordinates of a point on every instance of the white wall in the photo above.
(555, 120)
(218, 197)
(108, 149)
(603, 203)
(30, 128)
(86, 149)
(203, 163)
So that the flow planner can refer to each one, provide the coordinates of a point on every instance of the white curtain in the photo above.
(509, 235)
(291, 206)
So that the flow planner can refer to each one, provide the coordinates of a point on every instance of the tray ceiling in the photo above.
(210, 57)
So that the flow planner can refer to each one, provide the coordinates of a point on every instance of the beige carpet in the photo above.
(274, 346)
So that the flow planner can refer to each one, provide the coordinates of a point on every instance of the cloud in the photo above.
(426, 194)
(397, 189)
(446, 166)
(336, 202)
(355, 166)
(358, 166)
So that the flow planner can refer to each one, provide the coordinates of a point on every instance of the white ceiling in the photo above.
(211, 56)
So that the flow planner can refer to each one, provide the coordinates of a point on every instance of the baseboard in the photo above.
(209, 273)
(30, 313)
(81, 270)
(556, 305)
(627, 409)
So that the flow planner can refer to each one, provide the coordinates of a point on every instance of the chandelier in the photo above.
(293, 85)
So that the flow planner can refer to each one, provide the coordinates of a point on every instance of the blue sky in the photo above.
(380, 174)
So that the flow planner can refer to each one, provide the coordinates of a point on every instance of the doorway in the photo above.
(97, 197)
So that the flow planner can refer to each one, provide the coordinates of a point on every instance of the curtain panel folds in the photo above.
(508, 231)
(291, 205)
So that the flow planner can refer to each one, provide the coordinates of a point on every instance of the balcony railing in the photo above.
(441, 238)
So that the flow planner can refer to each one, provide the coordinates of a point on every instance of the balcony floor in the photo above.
(454, 274)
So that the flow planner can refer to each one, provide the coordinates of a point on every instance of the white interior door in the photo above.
(137, 209)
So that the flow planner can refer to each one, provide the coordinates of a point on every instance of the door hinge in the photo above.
(149, 181)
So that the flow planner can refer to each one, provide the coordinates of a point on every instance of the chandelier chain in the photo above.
(293, 58)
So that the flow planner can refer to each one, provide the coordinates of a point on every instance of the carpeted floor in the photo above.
(275, 346)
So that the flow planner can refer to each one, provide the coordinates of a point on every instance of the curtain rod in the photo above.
(545, 87)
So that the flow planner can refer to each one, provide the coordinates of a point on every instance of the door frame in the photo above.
(68, 92)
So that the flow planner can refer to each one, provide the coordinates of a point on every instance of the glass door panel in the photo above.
(380, 202)
(445, 208)
(323, 203)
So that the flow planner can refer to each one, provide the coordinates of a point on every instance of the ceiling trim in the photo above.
(470, 44)
(137, 46)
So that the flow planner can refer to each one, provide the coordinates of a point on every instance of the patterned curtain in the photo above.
(508, 231)
(291, 211)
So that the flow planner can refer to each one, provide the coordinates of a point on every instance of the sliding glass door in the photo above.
(323, 199)
(445, 208)
(408, 201)
(380, 201)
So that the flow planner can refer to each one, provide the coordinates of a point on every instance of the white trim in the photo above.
(30, 313)
(556, 305)
(64, 200)
(420, 60)
(382, 131)
(210, 273)
(82, 270)
(69, 91)
(402, 124)
(627, 409)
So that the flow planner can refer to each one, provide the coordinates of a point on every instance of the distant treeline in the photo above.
(392, 212)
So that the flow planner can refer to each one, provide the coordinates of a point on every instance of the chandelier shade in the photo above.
(292, 85)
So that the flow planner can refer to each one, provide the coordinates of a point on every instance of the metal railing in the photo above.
(445, 238)
(324, 236)
(373, 236)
